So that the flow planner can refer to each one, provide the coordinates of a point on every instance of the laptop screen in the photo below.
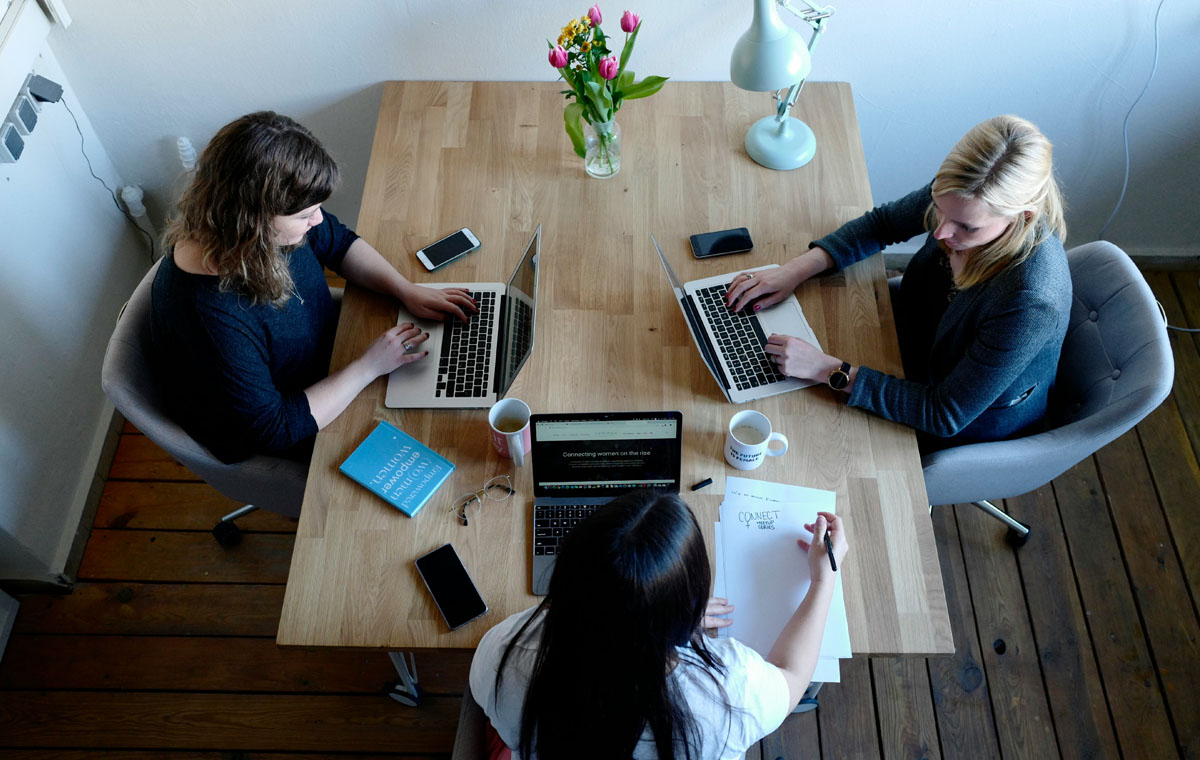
(519, 305)
(605, 453)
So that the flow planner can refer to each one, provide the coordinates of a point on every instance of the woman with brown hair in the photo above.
(242, 318)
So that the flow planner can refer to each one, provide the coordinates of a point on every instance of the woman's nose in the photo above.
(941, 232)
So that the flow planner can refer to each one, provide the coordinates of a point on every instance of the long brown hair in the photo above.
(1005, 163)
(257, 167)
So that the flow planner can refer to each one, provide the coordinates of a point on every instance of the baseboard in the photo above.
(83, 530)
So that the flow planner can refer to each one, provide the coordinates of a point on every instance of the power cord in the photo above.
(1125, 126)
(111, 192)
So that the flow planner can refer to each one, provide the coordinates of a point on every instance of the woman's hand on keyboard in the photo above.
(398, 346)
(796, 357)
(430, 303)
(768, 287)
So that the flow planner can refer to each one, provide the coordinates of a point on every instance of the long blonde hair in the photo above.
(257, 167)
(1005, 163)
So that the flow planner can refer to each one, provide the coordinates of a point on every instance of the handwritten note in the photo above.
(764, 573)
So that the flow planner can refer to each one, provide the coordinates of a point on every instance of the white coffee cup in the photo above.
(509, 420)
(748, 440)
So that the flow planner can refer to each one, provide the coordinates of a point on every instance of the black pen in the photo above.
(829, 550)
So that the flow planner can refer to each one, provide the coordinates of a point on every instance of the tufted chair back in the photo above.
(1116, 367)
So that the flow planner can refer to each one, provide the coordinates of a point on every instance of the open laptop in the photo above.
(583, 461)
(732, 343)
(473, 364)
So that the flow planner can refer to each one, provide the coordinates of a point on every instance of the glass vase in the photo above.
(602, 142)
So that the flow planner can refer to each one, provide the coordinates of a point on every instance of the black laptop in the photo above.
(583, 461)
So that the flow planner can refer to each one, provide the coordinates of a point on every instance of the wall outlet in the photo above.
(24, 116)
(11, 143)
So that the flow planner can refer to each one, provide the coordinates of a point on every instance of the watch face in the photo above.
(838, 380)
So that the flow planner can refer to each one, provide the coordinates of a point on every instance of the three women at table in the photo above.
(614, 661)
(242, 317)
(983, 305)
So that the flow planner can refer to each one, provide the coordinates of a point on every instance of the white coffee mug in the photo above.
(509, 420)
(748, 440)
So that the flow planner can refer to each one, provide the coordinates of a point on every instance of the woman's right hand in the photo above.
(398, 346)
(818, 558)
(768, 287)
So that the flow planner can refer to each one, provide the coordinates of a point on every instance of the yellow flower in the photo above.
(586, 46)
(585, 22)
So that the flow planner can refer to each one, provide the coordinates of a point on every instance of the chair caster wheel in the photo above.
(397, 691)
(227, 533)
(807, 704)
(1016, 539)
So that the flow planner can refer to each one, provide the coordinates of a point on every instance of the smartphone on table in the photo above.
(449, 248)
(451, 586)
(721, 242)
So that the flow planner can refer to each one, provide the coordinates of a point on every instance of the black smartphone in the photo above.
(721, 242)
(449, 248)
(451, 586)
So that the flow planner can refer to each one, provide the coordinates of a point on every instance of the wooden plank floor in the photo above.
(1083, 644)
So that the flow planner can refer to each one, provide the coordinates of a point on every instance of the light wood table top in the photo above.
(494, 157)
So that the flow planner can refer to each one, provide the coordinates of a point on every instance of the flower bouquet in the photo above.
(599, 83)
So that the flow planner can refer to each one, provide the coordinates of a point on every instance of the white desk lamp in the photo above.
(767, 58)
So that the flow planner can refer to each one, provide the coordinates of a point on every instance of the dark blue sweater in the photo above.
(234, 374)
(979, 366)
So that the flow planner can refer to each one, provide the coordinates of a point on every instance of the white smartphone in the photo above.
(448, 249)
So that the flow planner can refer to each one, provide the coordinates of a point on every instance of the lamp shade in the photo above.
(770, 55)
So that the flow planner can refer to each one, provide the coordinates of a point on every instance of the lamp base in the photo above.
(784, 145)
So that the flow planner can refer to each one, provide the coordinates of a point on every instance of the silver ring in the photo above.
(749, 275)
(407, 346)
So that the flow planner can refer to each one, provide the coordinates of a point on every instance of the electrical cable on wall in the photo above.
(111, 192)
(1125, 126)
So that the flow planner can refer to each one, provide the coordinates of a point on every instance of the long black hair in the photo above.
(630, 586)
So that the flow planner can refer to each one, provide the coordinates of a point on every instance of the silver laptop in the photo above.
(473, 364)
(583, 461)
(732, 343)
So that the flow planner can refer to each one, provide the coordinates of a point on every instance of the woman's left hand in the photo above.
(799, 358)
(429, 303)
(716, 607)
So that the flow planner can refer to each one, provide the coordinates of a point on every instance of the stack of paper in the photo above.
(764, 573)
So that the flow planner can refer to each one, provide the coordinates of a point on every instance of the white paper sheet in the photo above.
(765, 574)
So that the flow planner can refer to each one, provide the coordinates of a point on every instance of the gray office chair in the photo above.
(262, 482)
(1116, 367)
(470, 740)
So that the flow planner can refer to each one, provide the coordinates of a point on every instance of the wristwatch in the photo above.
(840, 377)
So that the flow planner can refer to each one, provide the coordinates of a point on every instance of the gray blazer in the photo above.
(980, 365)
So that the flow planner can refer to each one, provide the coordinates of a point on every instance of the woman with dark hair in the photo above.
(983, 306)
(242, 320)
(614, 664)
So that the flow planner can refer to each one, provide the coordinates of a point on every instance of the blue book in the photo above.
(398, 468)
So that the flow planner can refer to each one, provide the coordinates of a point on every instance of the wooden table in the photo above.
(494, 157)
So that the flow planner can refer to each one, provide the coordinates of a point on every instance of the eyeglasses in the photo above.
(468, 505)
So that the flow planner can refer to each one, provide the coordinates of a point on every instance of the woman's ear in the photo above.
(1028, 217)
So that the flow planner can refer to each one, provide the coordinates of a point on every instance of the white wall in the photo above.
(922, 73)
(70, 260)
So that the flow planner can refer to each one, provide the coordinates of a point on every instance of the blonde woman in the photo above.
(242, 321)
(983, 306)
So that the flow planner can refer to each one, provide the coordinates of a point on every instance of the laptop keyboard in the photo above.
(740, 339)
(552, 523)
(467, 352)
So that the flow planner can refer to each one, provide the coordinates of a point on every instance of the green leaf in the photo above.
(644, 88)
(573, 121)
(602, 99)
(628, 49)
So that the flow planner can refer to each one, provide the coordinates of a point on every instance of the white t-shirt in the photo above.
(754, 687)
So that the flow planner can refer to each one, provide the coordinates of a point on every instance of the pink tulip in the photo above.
(629, 22)
(594, 15)
(608, 67)
(558, 57)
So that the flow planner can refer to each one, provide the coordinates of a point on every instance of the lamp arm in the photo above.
(816, 17)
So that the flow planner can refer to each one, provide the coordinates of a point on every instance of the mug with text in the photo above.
(509, 420)
(748, 440)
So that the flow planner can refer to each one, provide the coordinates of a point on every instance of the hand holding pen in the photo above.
(828, 547)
